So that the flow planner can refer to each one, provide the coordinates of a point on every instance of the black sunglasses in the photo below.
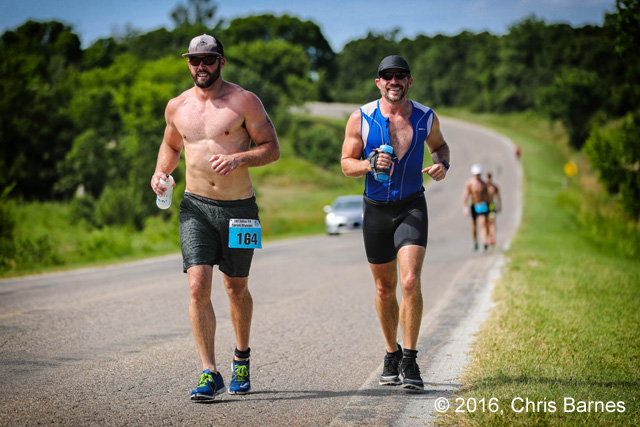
(399, 75)
(208, 60)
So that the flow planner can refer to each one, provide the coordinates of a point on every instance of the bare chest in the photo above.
(207, 122)
(400, 135)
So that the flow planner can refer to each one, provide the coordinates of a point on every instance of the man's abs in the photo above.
(235, 186)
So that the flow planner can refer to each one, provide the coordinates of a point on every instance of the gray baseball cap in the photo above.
(204, 45)
(393, 61)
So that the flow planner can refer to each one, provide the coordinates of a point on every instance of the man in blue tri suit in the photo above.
(395, 226)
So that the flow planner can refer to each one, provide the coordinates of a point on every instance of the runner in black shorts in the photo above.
(395, 224)
(204, 233)
(388, 226)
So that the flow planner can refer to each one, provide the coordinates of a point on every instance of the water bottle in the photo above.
(163, 202)
(384, 176)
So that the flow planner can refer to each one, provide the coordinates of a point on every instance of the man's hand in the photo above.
(437, 171)
(379, 161)
(224, 164)
(157, 186)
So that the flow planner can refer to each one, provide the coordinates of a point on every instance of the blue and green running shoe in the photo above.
(240, 382)
(208, 386)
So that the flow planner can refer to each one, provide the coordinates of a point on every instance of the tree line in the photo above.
(84, 125)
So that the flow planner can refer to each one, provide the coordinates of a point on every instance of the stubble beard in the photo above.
(396, 98)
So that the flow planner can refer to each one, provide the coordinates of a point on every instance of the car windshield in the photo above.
(348, 204)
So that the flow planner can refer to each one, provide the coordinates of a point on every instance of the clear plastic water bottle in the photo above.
(163, 202)
(384, 176)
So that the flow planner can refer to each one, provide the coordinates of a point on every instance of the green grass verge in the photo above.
(563, 340)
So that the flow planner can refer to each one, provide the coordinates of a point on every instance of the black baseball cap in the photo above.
(393, 61)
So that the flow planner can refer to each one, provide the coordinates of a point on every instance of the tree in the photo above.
(277, 71)
(35, 132)
(573, 98)
(357, 65)
(625, 24)
(269, 28)
(195, 13)
(520, 72)
(615, 155)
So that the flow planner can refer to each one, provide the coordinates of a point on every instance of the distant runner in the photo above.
(495, 205)
(476, 203)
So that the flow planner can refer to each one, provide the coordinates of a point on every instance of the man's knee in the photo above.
(236, 287)
(411, 284)
(385, 292)
(199, 292)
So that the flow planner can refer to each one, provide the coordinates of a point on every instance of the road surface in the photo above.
(113, 345)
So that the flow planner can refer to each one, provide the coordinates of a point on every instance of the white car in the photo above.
(344, 215)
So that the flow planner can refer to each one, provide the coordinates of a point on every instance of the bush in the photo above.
(318, 143)
(119, 207)
(83, 208)
(615, 155)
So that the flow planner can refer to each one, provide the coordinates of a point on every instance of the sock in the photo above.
(242, 354)
(410, 353)
(395, 353)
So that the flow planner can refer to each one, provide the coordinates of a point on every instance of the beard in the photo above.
(393, 96)
(209, 81)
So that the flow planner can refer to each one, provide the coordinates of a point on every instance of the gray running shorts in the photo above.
(204, 233)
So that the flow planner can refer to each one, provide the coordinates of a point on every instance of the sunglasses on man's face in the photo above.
(208, 60)
(399, 75)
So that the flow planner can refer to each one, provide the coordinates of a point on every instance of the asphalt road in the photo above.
(113, 345)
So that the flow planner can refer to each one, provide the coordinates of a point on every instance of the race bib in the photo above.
(481, 207)
(245, 234)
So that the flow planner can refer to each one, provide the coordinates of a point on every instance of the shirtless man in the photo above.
(476, 190)
(395, 223)
(215, 122)
(495, 205)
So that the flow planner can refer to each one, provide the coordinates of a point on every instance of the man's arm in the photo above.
(262, 133)
(169, 152)
(496, 195)
(439, 151)
(352, 163)
(465, 198)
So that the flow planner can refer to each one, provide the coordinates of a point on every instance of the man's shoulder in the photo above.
(237, 94)
(421, 107)
(180, 100)
(368, 109)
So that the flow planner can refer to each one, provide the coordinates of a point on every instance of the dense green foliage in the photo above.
(615, 155)
(83, 126)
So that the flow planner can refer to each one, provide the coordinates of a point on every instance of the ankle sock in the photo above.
(410, 353)
(242, 354)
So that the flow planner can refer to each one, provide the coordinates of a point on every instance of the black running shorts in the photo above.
(204, 233)
(388, 226)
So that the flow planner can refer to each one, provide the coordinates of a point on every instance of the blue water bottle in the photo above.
(383, 176)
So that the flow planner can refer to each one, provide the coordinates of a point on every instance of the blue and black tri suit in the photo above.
(395, 212)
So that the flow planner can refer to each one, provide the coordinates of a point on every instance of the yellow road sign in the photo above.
(570, 169)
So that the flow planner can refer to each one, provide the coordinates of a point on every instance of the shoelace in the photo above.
(241, 372)
(204, 379)
(411, 370)
(390, 363)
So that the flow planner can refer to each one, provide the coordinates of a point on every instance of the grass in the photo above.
(566, 323)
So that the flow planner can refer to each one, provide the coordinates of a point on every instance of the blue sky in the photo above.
(340, 20)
